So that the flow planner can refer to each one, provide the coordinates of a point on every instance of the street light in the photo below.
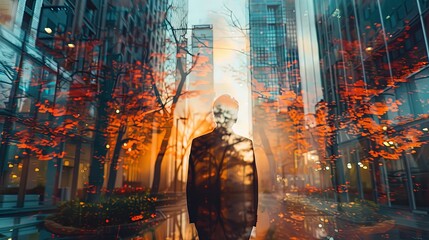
(48, 30)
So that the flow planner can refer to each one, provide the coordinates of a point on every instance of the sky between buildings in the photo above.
(230, 61)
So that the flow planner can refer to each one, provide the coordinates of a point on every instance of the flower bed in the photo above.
(79, 218)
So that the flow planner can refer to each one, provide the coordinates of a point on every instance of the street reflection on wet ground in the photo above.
(293, 218)
(279, 217)
(175, 226)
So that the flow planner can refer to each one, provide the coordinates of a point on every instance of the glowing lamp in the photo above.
(48, 30)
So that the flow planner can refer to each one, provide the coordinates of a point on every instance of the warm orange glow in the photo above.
(136, 218)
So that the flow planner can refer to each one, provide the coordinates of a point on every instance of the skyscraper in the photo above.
(274, 71)
(273, 45)
(41, 44)
(59, 62)
(373, 60)
(175, 68)
(199, 88)
(193, 111)
(202, 77)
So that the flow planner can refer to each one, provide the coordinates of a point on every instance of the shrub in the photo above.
(112, 211)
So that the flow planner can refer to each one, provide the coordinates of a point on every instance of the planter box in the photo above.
(59, 229)
(127, 229)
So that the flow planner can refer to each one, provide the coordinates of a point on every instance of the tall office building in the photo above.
(273, 45)
(194, 108)
(41, 49)
(175, 46)
(137, 37)
(201, 80)
(373, 60)
(54, 90)
(274, 62)
(199, 88)
(285, 87)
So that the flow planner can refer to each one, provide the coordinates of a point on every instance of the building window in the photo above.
(393, 21)
(29, 4)
(26, 22)
(24, 105)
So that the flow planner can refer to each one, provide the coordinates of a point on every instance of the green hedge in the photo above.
(113, 211)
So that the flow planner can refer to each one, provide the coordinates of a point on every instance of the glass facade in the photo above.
(373, 62)
(274, 54)
(38, 109)
(23, 174)
(274, 64)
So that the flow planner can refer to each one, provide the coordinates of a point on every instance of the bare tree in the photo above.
(184, 67)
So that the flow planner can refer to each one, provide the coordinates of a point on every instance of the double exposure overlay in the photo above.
(222, 188)
(198, 119)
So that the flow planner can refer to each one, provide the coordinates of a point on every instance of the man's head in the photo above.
(225, 110)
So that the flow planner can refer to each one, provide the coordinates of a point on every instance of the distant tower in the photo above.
(193, 109)
(201, 79)
(273, 45)
(274, 62)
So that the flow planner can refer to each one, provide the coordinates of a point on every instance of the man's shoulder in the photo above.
(242, 139)
(203, 137)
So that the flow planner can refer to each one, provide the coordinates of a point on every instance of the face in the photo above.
(225, 116)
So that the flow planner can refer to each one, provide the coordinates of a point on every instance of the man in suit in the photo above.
(222, 187)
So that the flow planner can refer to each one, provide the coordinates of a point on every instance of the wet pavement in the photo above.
(296, 217)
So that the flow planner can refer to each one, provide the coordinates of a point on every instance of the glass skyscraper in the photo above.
(273, 45)
(374, 57)
(275, 72)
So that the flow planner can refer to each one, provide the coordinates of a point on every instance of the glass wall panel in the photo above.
(351, 173)
(419, 92)
(84, 166)
(397, 178)
(382, 179)
(13, 168)
(419, 165)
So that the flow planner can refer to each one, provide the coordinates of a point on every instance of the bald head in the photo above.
(225, 110)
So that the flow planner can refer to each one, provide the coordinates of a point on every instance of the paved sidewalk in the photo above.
(407, 219)
(401, 217)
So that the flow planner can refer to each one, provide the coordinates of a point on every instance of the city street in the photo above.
(296, 218)
(306, 118)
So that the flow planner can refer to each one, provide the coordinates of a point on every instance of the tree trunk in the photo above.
(114, 162)
(160, 157)
(269, 153)
(165, 140)
(96, 174)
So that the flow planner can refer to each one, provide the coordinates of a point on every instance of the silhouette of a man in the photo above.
(222, 187)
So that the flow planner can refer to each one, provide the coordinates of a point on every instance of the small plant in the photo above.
(115, 210)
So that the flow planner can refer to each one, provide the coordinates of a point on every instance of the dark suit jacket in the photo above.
(222, 185)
